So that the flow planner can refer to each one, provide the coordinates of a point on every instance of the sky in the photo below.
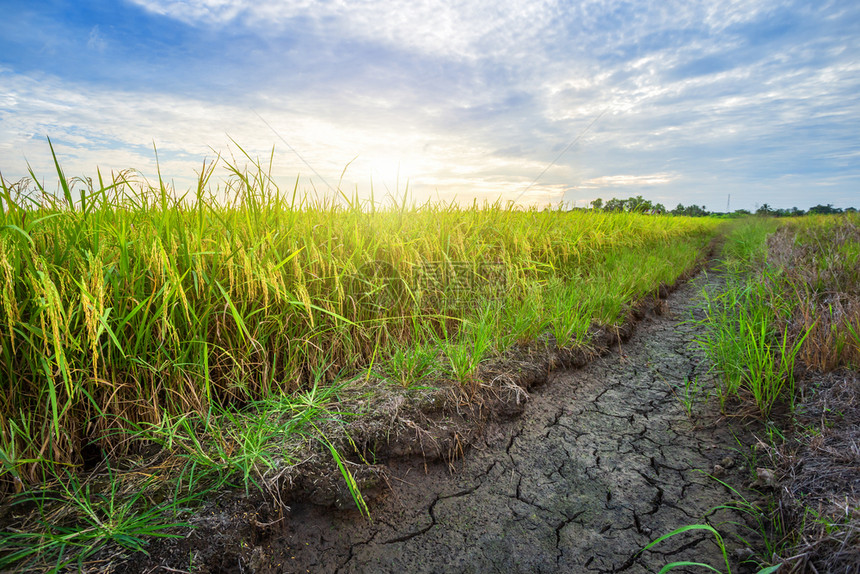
(719, 103)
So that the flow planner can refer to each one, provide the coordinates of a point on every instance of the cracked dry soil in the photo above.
(603, 461)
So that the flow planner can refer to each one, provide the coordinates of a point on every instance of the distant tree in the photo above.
(742, 212)
(691, 210)
(795, 212)
(850, 210)
(638, 204)
(824, 210)
(764, 210)
(614, 205)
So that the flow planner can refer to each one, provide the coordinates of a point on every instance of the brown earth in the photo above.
(603, 460)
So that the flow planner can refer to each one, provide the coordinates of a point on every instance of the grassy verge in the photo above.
(216, 329)
(786, 323)
(747, 337)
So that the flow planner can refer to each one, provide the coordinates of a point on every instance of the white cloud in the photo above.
(115, 130)
(484, 29)
(476, 99)
(627, 180)
(468, 29)
(96, 41)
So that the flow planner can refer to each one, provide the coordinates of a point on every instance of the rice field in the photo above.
(124, 303)
(220, 326)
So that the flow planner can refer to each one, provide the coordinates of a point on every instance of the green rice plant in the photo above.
(748, 345)
(407, 365)
(720, 543)
(686, 393)
(523, 317)
(571, 312)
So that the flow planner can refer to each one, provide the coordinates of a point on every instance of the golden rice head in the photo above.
(7, 293)
(51, 315)
(198, 269)
(249, 280)
(92, 301)
(305, 298)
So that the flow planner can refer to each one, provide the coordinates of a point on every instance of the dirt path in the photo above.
(604, 460)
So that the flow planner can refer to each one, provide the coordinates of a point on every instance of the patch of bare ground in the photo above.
(820, 469)
(565, 470)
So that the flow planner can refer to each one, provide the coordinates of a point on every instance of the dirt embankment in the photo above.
(604, 460)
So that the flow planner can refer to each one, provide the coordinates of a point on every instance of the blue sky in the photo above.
(693, 101)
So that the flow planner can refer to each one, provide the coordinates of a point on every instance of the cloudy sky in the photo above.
(540, 101)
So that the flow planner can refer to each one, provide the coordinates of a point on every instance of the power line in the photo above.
(558, 157)
(292, 149)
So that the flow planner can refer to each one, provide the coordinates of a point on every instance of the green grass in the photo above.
(791, 296)
(688, 393)
(745, 247)
(686, 563)
(751, 347)
(249, 444)
(76, 516)
(791, 299)
(75, 519)
(408, 366)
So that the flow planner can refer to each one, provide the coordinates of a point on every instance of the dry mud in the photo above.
(603, 460)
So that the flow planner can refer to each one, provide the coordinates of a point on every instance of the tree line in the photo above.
(639, 204)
